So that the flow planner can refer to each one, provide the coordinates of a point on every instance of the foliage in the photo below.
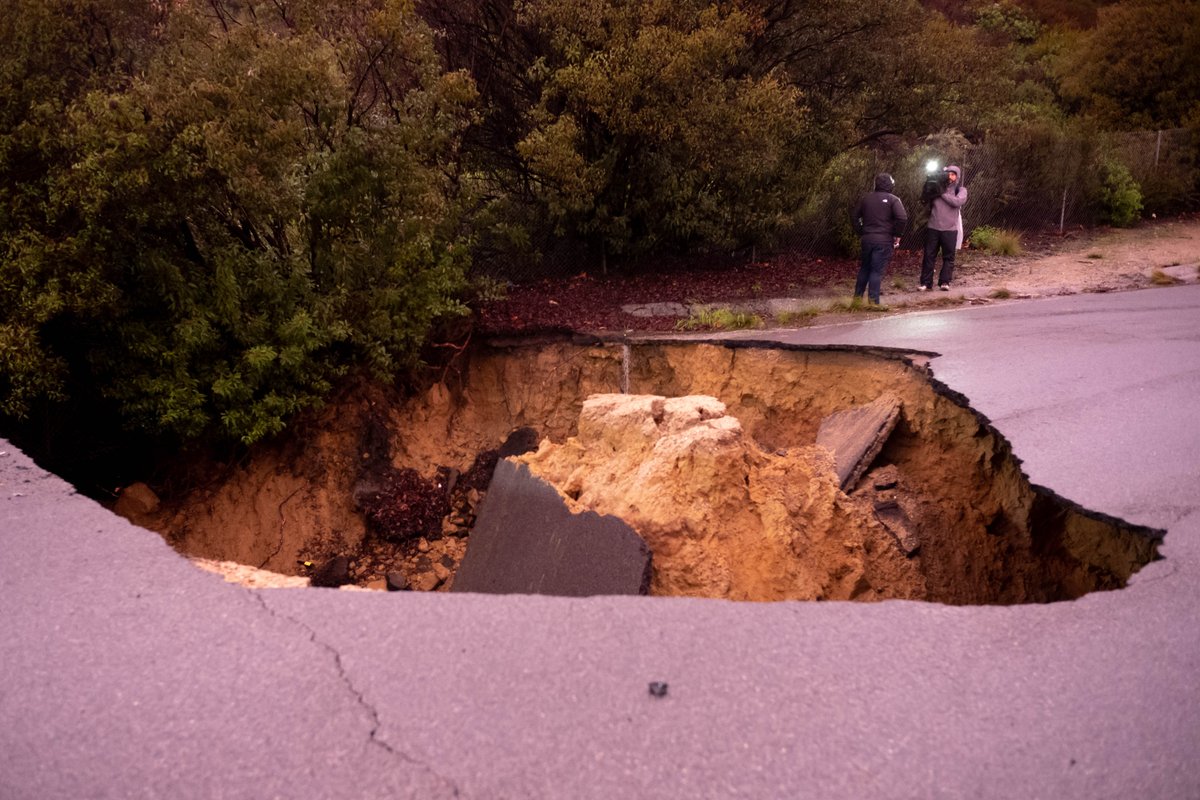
(1139, 67)
(1073, 13)
(621, 147)
(214, 239)
(1165, 164)
(1009, 20)
(996, 240)
(1119, 198)
(844, 180)
(1038, 169)
(720, 319)
(867, 69)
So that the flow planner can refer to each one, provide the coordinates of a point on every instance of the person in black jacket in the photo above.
(879, 220)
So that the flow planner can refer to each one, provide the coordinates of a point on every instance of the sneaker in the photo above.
(922, 288)
(945, 287)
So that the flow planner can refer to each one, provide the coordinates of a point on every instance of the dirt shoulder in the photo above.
(1095, 261)
(791, 290)
(1102, 260)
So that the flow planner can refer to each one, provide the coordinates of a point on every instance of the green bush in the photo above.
(996, 240)
(620, 145)
(209, 244)
(1119, 198)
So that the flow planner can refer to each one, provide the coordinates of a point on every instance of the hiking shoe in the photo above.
(922, 288)
(945, 287)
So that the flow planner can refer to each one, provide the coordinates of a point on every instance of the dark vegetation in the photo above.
(214, 211)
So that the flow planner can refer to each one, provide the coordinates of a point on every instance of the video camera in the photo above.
(936, 181)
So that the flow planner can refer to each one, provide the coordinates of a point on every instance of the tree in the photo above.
(217, 239)
(649, 132)
(1139, 67)
(866, 69)
(51, 53)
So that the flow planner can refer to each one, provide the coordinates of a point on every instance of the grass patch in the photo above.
(1000, 294)
(856, 305)
(722, 319)
(797, 318)
(940, 302)
(1160, 278)
(1095, 255)
(998, 241)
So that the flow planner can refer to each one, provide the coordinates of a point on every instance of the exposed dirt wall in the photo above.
(973, 529)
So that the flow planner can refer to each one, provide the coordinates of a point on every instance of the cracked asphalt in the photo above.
(128, 673)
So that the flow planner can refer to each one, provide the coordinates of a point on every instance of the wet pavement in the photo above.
(127, 672)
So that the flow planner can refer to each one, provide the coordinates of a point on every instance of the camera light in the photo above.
(931, 165)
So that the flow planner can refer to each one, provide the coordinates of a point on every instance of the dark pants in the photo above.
(875, 258)
(946, 240)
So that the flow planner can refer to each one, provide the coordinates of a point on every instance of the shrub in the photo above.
(207, 248)
(1120, 197)
(996, 240)
(619, 148)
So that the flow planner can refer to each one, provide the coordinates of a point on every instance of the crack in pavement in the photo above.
(360, 699)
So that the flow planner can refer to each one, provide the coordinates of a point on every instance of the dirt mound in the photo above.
(723, 516)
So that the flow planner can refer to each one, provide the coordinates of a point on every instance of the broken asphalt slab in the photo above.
(856, 435)
(526, 541)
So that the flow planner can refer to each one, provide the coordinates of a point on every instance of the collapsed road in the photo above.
(129, 671)
(744, 470)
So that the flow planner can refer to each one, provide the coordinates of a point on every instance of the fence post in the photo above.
(1157, 148)
(1062, 214)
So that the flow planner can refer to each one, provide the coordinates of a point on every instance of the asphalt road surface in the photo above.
(128, 673)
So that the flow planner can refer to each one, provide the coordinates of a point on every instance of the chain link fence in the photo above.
(1029, 179)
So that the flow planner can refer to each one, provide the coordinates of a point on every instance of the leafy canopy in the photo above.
(649, 132)
(214, 237)
(1139, 67)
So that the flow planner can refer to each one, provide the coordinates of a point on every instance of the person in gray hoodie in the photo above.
(944, 231)
(880, 220)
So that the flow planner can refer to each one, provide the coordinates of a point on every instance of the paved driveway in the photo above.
(127, 673)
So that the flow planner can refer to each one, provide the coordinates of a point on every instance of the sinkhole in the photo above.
(749, 470)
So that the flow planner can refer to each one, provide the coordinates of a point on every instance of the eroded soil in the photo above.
(970, 528)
